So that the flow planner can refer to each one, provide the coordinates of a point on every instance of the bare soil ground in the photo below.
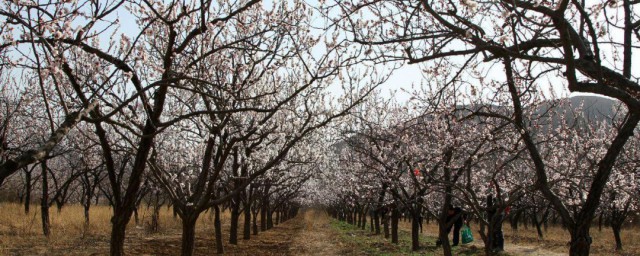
(317, 237)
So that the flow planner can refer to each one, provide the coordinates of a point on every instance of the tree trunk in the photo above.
(263, 217)
(364, 219)
(255, 223)
(371, 222)
(135, 216)
(269, 218)
(44, 202)
(175, 212)
(27, 192)
(188, 234)
(155, 218)
(86, 206)
(246, 235)
(538, 224)
(580, 240)
(119, 226)
(376, 220)
(233, 229)
(616, 233)
(600, 222)
(443, 236)
(218, 230)
(385, 224)
(415, 231)
(488, 242)
(513, 220)
(395, 218)
(59, 205)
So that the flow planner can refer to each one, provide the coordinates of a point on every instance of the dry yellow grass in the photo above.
(22, 233)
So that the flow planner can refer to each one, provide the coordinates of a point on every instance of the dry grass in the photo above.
(21, 233)
(555, 239)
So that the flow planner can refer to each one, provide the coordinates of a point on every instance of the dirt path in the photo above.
(513, 249)
(317, 237)
(309, 233)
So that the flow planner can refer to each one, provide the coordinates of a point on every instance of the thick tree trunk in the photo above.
(263, 219)
(385, 224)
(269, 218)
(118, 228)
(217, 224)
(580, 241)
(443, 237)
(188, 234)
(395, 218)
(255, 223)
(371, 222)
(415, 232)
(514, 219)
(488, 242)
(233, 229)
(265, 210)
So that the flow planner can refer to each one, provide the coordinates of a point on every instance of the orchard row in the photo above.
(270, 106)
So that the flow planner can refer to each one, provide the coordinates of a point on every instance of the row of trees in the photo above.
(204, 104)
(420, 164)
(480, 123)
(209, 101)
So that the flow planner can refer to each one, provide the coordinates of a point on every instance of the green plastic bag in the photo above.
(467, 235)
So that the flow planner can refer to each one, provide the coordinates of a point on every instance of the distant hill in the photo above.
(593, 108)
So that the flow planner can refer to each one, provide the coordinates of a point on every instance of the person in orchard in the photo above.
(456, 215)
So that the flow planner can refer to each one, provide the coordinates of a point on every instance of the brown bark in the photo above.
(255, 223)
(218, 230)
(233, 230)
(118, 228)
(188, 235)
(44, 201)
(415, 231)
(247, 222)
(395, 218)
(27, 192)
